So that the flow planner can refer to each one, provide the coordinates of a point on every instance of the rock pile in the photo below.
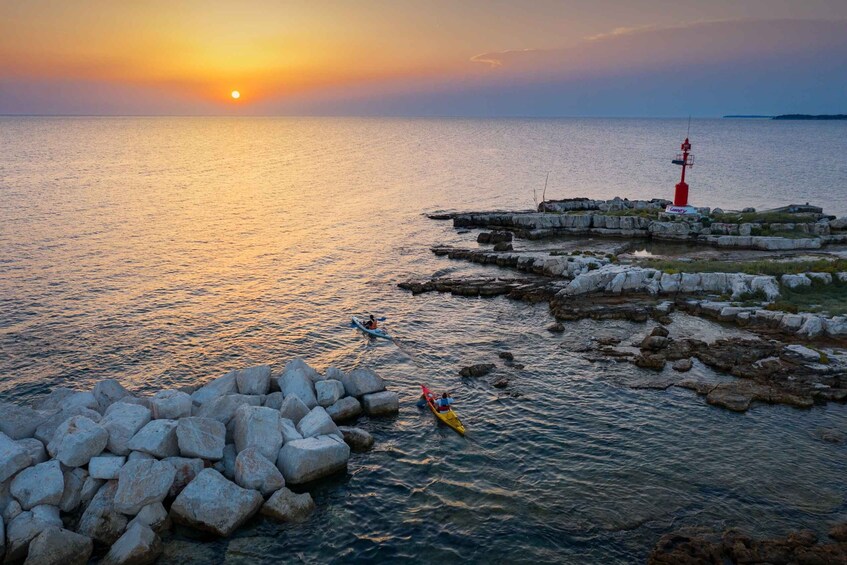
(111, 470)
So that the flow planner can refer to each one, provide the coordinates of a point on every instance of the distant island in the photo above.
(788, 117)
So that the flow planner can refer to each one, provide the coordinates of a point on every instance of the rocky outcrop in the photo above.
(478, 370)
(285, 506)
(358, 439)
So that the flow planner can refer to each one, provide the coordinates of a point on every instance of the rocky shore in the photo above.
(703, 546)
(107, 473)
(792, 357)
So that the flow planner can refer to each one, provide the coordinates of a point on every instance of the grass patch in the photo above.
(774, 268)
(651, 213)
(828, 299)
(763, 218)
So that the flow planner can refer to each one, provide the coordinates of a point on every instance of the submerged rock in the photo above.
(556, 327)
(682, 365)
(478, 370)
(358, 439)
(214, 504)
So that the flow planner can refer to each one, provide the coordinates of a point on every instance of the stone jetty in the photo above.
(106, 472)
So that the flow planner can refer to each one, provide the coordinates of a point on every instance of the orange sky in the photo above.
(202, 50)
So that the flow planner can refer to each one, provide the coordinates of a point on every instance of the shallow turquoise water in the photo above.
(163, 251)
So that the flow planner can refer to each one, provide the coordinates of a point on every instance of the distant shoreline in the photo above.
(789, 117)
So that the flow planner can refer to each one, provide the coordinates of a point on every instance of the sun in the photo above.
(235, 95)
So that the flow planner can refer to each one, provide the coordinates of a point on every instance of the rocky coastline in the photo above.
(791, 356)
(108, 473)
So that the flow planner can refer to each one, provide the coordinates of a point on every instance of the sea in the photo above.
(166, 251)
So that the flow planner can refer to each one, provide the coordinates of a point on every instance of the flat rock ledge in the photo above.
(107, 472)
(698, 546)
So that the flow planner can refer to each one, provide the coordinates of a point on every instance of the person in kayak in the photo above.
(371, 323)
(443, 403)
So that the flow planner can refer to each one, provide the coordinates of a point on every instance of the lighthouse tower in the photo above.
(680, 199)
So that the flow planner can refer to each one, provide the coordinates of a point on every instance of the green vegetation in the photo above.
(830, 299)
(762, 218)
(651, 213)
(762, 267)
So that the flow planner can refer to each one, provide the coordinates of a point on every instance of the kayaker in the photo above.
(371, 323)
(443, 403)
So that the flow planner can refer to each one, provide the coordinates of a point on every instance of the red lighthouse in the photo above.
(680, 199)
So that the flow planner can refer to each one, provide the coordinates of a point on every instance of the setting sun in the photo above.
(236, 95)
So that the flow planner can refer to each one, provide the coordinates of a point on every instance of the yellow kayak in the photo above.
(448, 416)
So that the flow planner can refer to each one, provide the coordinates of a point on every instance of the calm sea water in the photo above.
(164, 251)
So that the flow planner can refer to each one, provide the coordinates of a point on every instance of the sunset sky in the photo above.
(471, 58)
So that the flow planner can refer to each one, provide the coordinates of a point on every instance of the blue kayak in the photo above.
(375, 333)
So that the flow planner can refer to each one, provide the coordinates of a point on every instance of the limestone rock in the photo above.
(154, 516)
(359, 382)
(57, 546)
(170, 405)
(295, 381)
(201, 437)
(141, 483)
(36, 449)
(123, 421)
(138, 455)
(157, 438)
(139, 545)
(298, 365)
(73, 480)
(40, 484)
(682, 365)
(24, 527)
(221, 386)
(77, 440)
(329, 391)
(289, 430)
(312, 458)
(253, 380)
(13, 457)
(337, 374)
(186, 469)
(47, 430)
(358, 439)
(345, 409)
(54, 399)
(273, 400)
(108, 392)
(654, 343)
(317, 423)
(19, 422)
(223, 408)
(106, 467)
(381, 403)
(254, 471)
(259, 427)
(649, 361)
(214, 504)
(478, 370)
(90, 488)
(556, 327)
(228, 461)
(286, 506)
(293, 409)
(801, 353)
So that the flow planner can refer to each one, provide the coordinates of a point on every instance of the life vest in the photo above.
(442, 406)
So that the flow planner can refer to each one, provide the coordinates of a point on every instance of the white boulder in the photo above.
(40, 484)
(345, 409)
(77, 440)
(214, 504)
(57, 546)
(73, 479)
(157, 438)
(138, 545)
(223, 408)
(221, 386)
(25, 527)
(35, 448)
(154, 516)
(201, 437)
(259, 427)
(108, 392)
(186, 469)
(106, 466)
(253, 380)
(317, 423)
(123, 421)
(295, 381)
(273, 400)
(293, 409)
(289, 430)
(141, 483)
(381, 403)
(795, 281)
(19, 422)
(47, 430)
(360, 382)
(329, 391)
(170, 405)
(286, 506)
(13, 457)
(254, 471)
(312, 458)
(101, 521)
